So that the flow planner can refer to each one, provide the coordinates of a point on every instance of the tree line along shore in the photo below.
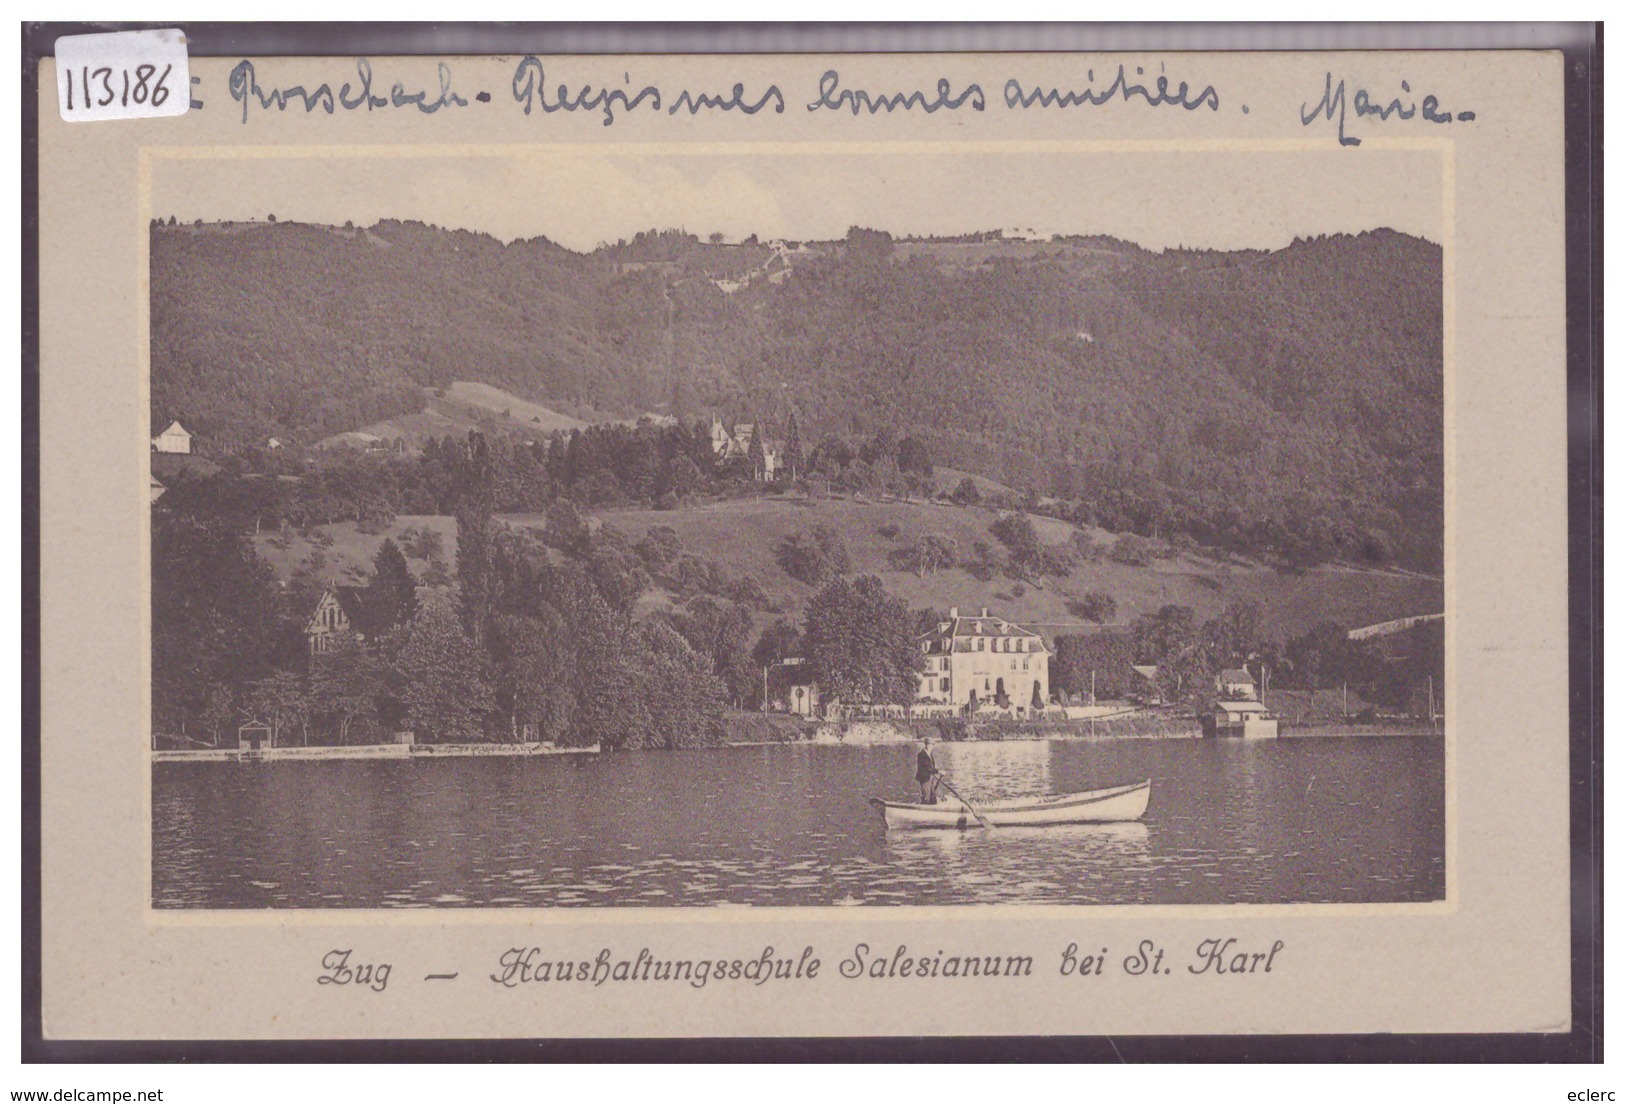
(543, 635)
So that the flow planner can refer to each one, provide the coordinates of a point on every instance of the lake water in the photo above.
(1292, 820)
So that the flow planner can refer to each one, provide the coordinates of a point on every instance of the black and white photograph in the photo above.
(581, 556)
(708, 530)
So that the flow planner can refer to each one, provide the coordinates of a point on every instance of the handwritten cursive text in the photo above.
(1160, 94)
(245, 88)
(1334, 102)
(832, 97)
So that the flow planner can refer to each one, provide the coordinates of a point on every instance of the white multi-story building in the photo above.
(981, 658)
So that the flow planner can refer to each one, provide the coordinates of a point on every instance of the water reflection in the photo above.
(1288, 820)
(990, 771)
(1022, 864)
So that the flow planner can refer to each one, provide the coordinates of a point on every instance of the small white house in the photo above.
(1145, 690)
(175, 439)
(801, 698)
(790, 689)
(1236, 684)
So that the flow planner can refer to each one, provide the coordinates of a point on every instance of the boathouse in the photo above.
(254, 736)
(1247, 719)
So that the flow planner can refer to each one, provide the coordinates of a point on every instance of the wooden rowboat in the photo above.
(1116, 803)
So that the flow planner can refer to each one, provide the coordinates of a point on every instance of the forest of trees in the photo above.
(1391, 672)
(538, 636)
(648, 465)
(1286, 404)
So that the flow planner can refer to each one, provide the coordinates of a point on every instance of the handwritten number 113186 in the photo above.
(120, 85)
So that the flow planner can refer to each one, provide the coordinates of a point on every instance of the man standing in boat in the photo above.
(926, 773)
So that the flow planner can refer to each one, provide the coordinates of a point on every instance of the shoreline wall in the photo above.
(1140, 726)
(366, 751)
(748, 729)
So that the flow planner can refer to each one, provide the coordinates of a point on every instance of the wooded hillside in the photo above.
(1250, 400)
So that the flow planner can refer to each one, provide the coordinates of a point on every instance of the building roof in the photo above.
(175, 427)
(1235, 675)
(1241, 707)
(1144, 671)
(983, 624)
(351, 599)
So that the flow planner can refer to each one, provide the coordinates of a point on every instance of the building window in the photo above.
(944, 686)
(1025, 663)
(985, 685)
(980, 644)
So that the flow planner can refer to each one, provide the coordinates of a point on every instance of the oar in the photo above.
(980, 819)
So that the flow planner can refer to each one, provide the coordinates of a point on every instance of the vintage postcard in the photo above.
(660, 546)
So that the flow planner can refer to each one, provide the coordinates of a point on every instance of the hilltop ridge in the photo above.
(1184, 391)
